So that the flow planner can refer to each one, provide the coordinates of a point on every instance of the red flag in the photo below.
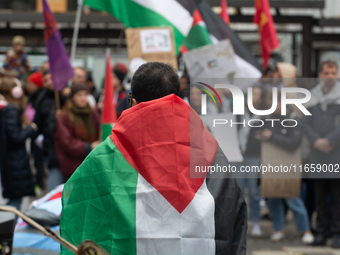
(109, 116)
(264, 19)
(224, 13)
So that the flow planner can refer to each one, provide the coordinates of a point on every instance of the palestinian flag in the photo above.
(198, 35)
(133, 194)
(109, 115)
(248, 66)
(148, 13)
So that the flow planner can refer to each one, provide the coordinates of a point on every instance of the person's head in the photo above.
(79, 93)
(195, 97)
(154, 80)
(119, 72)
(184, 83)
(34, 82)
(79, 75)
(6, 86)
(45, 66)
(328, 72)
(284, 73)
(11, 90)
(18, 44)
(89, 81)
(47, 80)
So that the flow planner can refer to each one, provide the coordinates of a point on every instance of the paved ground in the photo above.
(291, 245)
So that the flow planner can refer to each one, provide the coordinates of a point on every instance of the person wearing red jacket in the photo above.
(77, 131)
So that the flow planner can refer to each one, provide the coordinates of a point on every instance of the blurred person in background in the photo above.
(284, 75)
(225, 96)
(16, 60)
(288, 139)
(120, 94)
(16, 176)
(250, 144)
(77, 131)
(33, 87)
(92, 87)
(322, 129)
(184, 88)
(80, 77)
(45, 67)
(46, 119)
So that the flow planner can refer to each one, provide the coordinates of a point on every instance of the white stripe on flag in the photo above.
(245, 69)
(162, 230)
(171, 10)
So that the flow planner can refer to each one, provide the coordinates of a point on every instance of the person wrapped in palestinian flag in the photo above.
(134, 193)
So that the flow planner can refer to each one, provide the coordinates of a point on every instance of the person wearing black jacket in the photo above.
(288, 138)
(16, 176)
(46, 119)
(322, 129)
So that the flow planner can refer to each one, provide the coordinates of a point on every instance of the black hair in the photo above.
(154, 80)
(45, 72)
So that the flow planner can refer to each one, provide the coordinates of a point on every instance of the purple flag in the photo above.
(60, 66)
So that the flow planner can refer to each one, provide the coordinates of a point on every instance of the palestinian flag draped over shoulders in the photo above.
(133, 194)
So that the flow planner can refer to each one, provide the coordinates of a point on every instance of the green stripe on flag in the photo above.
(135, 15)
(197, 37)
(106, 212)
(106, 130)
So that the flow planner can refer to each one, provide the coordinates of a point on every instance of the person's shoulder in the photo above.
(63, 118)
(105, 148)
(12, 109)
(96, 159)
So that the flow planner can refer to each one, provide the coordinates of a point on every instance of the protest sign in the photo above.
(212, 61)
(151, 44)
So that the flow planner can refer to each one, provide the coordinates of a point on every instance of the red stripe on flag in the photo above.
(197, 17)
(163, 140)
(55, 196)
(224, 12)
(183, 49)
(109, 108)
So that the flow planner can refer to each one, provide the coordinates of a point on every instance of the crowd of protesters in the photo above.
(44, 132)
(317, 136)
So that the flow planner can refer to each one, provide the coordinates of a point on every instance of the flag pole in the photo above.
(76, 30)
